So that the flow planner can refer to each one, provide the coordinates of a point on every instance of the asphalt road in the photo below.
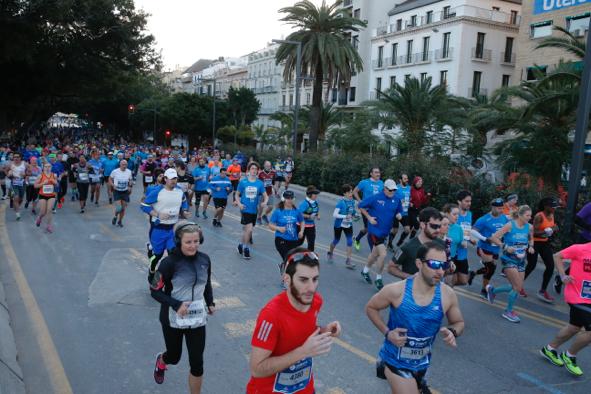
(85, 323)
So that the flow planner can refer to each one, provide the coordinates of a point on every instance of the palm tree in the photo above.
(570, 43)
(327, 51)
(329, 118)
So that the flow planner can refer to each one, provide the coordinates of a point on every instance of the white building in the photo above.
(469, 45)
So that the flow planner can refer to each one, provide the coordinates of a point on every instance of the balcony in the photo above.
(423, 57)
(347, 3)
(285, 108)
(444, 54)
(508, 59)
(475, 92)
(480, 54)
(379, 64)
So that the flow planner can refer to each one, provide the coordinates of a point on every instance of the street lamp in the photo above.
(296, 110)
(201, 79)
(131, 108)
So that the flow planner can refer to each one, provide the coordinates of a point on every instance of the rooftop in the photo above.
(412, 4)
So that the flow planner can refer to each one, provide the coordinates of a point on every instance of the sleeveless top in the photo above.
(47, 189)
(517, 238)
(545, 223)
(422, 323)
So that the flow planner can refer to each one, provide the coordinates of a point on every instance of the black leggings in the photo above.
(310, 236)
(32, 193)
(195, 340)
(544, 249)
(283, 246)
(83, 191)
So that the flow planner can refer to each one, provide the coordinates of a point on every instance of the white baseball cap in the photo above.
(390, 184)
(171, 173)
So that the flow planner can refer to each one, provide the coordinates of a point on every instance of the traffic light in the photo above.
(131, 108)
(167, 133)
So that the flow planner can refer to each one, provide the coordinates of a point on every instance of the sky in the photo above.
(189, 30)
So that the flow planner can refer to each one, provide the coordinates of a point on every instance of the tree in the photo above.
(243, 106)
(329, 118)
(355, 135)
(327, 52)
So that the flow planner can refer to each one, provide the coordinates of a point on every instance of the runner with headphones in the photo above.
(182, 285)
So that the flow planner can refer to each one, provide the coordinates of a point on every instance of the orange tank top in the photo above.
(47, 189)
(544, 224)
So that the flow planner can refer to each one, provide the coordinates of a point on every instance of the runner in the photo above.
(287, 336)
(95, 177)
(71, 160)
(46, 184)
(147, 169)
(121, 181)
(287, 222)
(464, 199)
(182, 286)
(418, 200)
(16, 173)
(380, 210)
(82, 171)
(544, 228)
(484, 228)
(417, 306)
(279, 175)
(368, 187)
(165, 204)
(510, 206)
(220, 187)
(403, 194)
(248, 198)
(267, 176)
(289, 167)
(32, 173)
(234, 172)
(344, 214)
(403, 264)
(455, 235)
(517, 236)
(311, 211)
(577, 294)
(185, 180)
(109, 165)
(59, 169)
(201, 176)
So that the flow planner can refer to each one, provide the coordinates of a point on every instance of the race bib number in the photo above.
(148, 179)
(121, 185)
(195, 315)
(405, 204)
(17, 181)
(586, 289)
(32, 179)
(47, 189)
(467, 228)
(416, 350)
(83, 176)
(295, 378)
(268, 182)
(251, 192)
(184, 186)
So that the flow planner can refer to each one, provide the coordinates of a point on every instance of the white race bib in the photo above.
(184, 186)
(195, 315)
(251, 192)
(83, 176)
(121, 186)
(32, 179)
(415, 349)
(148, 179)
(467, 228)
(17, 182)
(47, 189)
(295, 378)
(586, 289)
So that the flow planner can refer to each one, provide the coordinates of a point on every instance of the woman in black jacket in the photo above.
(182, 285)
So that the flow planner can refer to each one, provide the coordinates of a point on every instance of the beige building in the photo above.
(538, 20)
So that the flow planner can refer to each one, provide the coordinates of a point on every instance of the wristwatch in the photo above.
(453, 331)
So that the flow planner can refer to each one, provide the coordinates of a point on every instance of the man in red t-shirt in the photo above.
(577, 294)
(267, 175)
(287, 336)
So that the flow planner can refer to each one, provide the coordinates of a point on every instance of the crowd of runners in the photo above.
(429, 252)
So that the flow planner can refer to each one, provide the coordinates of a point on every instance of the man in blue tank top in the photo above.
(417, 306)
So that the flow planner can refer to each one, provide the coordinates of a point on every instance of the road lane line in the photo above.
(538, 383)
(109, 232)
(237, 330)
(52, 362)
(229, 302)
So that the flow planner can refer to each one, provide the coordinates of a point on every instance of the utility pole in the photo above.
(200, 79)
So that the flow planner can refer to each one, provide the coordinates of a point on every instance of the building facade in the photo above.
(539, 19)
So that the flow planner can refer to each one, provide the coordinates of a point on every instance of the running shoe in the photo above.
(220, 224)
(18, 216)
(110, 200)
(119, 224)
(349, 264)
(159, 370)
(204, 215)
(366, 277)
(149, 248)
(53, 211)
(329, 257)
(114, 221)
(49, 229)
(379, 284)
(59, 205)
(522, 293)
(511, 316)
(240, 249)
(483, 294)
(490, 293)
(265, 219)
(33, 212)
(38, 221)
(82, 210)
(259, 221)
(356, 244)
(196, 214)
(552, 356)
(570, 363)
(471, 276)
(557, 284)
(544, 296)
(26, 205)
(246, 254)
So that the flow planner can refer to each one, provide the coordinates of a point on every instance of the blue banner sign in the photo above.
(541, 6)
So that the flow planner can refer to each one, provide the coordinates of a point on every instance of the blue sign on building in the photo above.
(541, 6)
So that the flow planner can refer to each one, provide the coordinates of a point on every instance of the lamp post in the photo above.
(200, 79)
(298, 78)
(581, 130)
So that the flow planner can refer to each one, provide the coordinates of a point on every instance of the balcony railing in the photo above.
(347, 3)
(444, 54)
(508, 59)
(379, 63)
(475, 92)
(481, 54)
(285, 108)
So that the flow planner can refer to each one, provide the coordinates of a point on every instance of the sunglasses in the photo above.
(434, 226)
(436, 264)
(297, 257)
(391, 190)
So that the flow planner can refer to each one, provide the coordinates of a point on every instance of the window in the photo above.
(357, 13)
(508, 57)
(496, 9)
(513, 17)
(406, 77)
(409, 52)
(308, 96)
(476, 83)
(290, 100)
(445, 46)
(425, 55)
(443, 78)
(379, 84)
(394, 53)
(398, 24)
(423, 77)
(447, 12)
(542, 29)
(533, 72)
(283, 101)
(355, 42)
(479, 52)
(506, 80)
(333, 96)
(413, 21)
(352, 92)
(429, 17)
(578, 24)
(393, 81)
(380, 56)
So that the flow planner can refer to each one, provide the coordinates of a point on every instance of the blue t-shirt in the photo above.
(226, 163)
(384, 209)
(201, 175)
(465, 222)
(368, 187)
(57, 168)
(518, 239)
(109, 166)
(220, 187)
(250, 194)
(487, 225)
(345, 207)
(403, 194)
(309, 207)
(288, 218)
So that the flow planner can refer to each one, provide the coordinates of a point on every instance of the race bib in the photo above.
(184, 186)
(295, 378)
(195, 315)
(83, 176)
(251, 192)
(47, 189)
(95, 178)
(121, 185)
(467, 228)
(148, 179)
(17, 181)
(416, 350)
(405, 204)
(32, 179)
(586, 289)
